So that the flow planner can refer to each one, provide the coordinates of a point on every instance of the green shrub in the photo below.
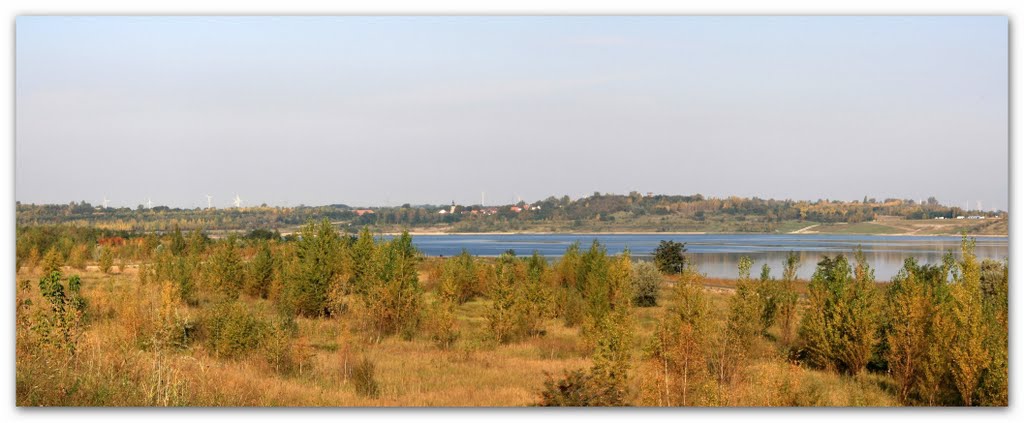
(232, 331)
(645, 284)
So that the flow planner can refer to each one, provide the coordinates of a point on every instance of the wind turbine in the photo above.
(209, 201)
(238, 201)
(149, 203)
(105, 201)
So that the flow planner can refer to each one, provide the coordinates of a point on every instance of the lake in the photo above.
(717, 254)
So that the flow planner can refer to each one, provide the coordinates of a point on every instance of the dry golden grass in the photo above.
(121, 362)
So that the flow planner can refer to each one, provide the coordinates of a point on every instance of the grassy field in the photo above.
(118, 361)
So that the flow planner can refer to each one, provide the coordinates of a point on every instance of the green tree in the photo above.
(788, 298)
(968, 352)
(225, 275)
(317, 268)
(394, 298)
(261, 271)
(363, 252)
(178, 244)
(669, 257)
(839, 329)
(613, 332)
(106, 259)
(681, 344)
(742, 326)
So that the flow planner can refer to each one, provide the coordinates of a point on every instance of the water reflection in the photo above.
(717, 255)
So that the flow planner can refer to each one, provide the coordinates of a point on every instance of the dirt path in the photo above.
(805, 229)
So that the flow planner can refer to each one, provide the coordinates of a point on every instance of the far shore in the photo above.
(436, 233)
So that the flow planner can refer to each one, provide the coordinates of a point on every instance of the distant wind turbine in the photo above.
(209, 201)
(105, 201)
(238, 201)
(149, 203)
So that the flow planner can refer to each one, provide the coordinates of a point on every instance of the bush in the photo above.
(645, 284)
(365, 380)
(442, 324)
(232, 331)
(578, 388)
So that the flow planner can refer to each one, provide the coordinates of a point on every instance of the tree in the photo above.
(788, 298)
(858, 322)
(106, 259)
(968, 352)
(52, 261)
(613, 331)
(505, 318)
(225, 270)
(646, 278)
(261, 271)
(680, 346)
(317, 269)
(394, 298)
(178, 244)
(743, 324)
(910, 314)
(770, 294)
(459, 280)
(363, 252)
(669, 258)
(839, 329)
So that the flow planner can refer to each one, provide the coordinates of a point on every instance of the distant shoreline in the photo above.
(434, 233)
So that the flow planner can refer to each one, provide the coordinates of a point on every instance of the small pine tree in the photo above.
(225, 272)
(52, 261)
(106, 259)
(261, 272)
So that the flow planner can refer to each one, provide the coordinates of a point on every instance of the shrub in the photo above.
(645, 284)
(78, 256)
(578, 388)
(232, 331)
(365, 379)
(442, 324)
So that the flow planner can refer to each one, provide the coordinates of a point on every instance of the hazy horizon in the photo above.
(381, 111)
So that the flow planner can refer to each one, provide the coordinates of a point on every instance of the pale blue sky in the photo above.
(388, 110)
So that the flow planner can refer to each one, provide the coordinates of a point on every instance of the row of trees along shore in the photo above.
(936, 334)
(741, 214)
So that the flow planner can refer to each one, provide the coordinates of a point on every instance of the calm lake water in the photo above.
(717, 254)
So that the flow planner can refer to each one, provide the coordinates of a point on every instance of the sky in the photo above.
(378, 111)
